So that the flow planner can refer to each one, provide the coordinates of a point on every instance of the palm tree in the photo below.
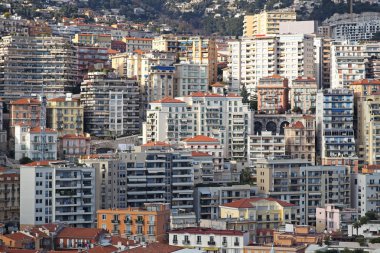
(357, 225)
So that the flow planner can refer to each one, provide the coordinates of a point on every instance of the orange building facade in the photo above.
(273, 94)
(147, 224)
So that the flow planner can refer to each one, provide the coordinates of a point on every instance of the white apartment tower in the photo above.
(57, 192)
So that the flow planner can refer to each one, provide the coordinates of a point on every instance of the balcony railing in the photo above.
(186, 242)
(211, 242)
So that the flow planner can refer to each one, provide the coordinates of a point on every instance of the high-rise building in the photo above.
(303, 95)
(190, 78)
(266, 22)
(133, 43)
(102, 40)
(366, 190)
(10, 198)
(308, 187)
(30, 63)
(287, 55)
(224, 118)
(57, 192)
(111, 105)
(65, 115)
(335, 127)
(272, 94)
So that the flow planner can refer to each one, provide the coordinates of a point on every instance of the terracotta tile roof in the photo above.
(74, 136)
(218, 85)
(103, 249)
(138, 51)
(201, 138)
(168, 100)
(38, 130)
(308, 117)
(155, 248)
(205, 231)
(80, 232)
(112, 51)
(124, 241)
(248, 203)
(18, 236)
(156, 144)
(274, 77)
(233, 95)
(199, 154)
(366, 82)
(63, 99)
(297, 124)
(38, 163)
(26, 101)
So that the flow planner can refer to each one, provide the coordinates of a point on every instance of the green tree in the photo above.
(357, 225)
(25, 160)
(371, 215)
(363, 220)
(245, 176)
(245, 95)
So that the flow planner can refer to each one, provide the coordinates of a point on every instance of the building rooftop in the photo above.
(70, 232)
(250, 203)
(207, 231)
(156, 144)
(168, 100)
(201, 138)
(366, 82)
(155, 248)
(38, 130)
(18, 236)
(199, 154)
(26, 101)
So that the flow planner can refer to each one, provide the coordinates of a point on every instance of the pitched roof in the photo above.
(124, 241)
(38, 130)
(112, 51)
(155, 248)
(199, 154)
(18, 236)
(248, 203)
(168, 100)
(218, 85)
(38, 163)
(70, 232)
(26, 101)
(297, 124)
(103, 249)
(156, 144)
(201, 138)
(207, 231)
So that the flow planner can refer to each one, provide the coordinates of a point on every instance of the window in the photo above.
(104, 216)
(175, 239)
(199, 239)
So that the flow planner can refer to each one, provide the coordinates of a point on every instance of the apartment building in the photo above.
(266, 144)
(353, 27)
(160, 83)
(203, 167)
(335, 127)
(208, 239)
(165, 43)
(300, 139)
(149, 223)
(24, 111)
(260, 216)
(322, 53)
(133, 43)
(366, 189)
(13, 26)
(90, 58)
(10, 198)
(303, 95)
(28, 63)
(65, 115)
(3, 129)
(208, 199)
(287, 55)
(308, 187)
(335, 217)
(272, 94)
(367, 144)
(29, 143)
(348, 64)
(111, 105)
(57, 192)
(72, 146)
(365, 87)
(101, 40)
(224, 119)
(190, 78)
(266, 22)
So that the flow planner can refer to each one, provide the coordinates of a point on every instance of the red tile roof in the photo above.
(18, 236)
(26, 101)
(207, 231)
(74, 136)
(124, 241)
(366, 82)
(38, 130)
(112, 51)
(38, 163)
(248, 203)
(156, 144)
(204, 94)
(199, 154)
(103, 249)
(201, 138)
(218, 85)
(297, 124)
(80, 232)
(155, 248)
(168, 100)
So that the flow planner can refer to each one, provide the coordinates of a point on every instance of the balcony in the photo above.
(140, 221)
(115, 221)
(186, 242)
(175, 242)
(236, 243)
(128, 221)
(224, 244)
(211, 243)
